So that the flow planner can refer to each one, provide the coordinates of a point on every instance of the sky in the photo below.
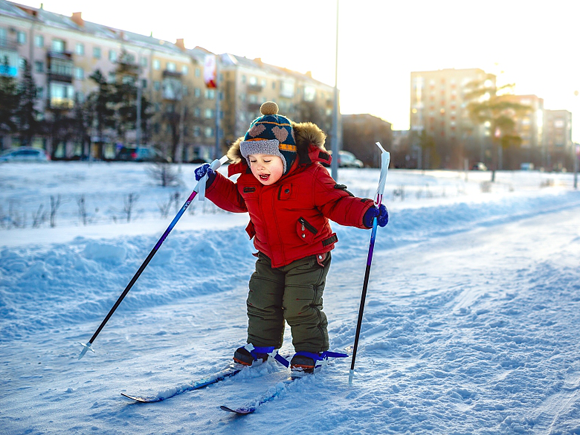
(380, 42)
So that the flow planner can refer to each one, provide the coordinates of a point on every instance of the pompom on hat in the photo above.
(270, 134)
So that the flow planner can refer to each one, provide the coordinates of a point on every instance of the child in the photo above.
(289, 196)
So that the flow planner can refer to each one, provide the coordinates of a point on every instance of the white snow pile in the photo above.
(470, 326)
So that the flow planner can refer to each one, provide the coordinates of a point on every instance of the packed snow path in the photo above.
(471, 327)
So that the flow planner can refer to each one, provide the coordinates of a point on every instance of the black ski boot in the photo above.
(249, 355)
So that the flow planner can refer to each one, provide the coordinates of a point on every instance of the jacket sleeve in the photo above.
(336, 203)
(224, 193)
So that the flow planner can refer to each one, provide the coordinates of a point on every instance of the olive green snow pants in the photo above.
(291, 293)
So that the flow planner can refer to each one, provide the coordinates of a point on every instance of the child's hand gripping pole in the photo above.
(200, 186)
(385, 160)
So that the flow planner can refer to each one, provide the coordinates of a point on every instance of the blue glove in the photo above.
(380, 213)
(205, 169)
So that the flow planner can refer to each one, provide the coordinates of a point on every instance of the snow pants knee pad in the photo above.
(292, 293)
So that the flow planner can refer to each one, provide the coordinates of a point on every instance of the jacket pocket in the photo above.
(251, 230)
(306, 231)
(285, 192)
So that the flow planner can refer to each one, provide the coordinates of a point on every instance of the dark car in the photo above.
(140, 154)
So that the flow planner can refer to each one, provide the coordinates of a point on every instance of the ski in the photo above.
(274, 391)
(228, 372)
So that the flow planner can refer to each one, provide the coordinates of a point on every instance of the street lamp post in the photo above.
(334, 144)
(575, 154)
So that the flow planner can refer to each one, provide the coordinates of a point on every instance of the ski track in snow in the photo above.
(471, 327)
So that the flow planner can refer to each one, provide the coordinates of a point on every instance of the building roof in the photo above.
(9, 9)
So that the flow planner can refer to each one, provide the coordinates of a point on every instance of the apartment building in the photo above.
(247, 83)
(439, 109)
(558, 145)
(65, 51)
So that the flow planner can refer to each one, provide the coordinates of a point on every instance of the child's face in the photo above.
(266, 168)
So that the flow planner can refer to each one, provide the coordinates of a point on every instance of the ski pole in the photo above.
(385, 160)
(200, 186)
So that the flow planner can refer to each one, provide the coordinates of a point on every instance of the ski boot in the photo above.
(308, 362)
(249, 355)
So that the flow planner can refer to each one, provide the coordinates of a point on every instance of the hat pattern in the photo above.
(270, 134)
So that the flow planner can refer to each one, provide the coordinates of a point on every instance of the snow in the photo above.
(470, 327)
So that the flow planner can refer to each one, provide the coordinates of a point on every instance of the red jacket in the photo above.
(289, 219)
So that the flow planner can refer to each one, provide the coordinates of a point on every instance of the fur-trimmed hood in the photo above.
(305, 134)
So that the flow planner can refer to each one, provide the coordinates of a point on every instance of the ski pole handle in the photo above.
(201, 184)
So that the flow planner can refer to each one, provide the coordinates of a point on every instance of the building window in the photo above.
(112, 55)
(21, 37)
(196, 131)
(38, 66)
(197, 92)
(80, 49)
(39, 41)
(61, 95)
(197, 112)
(309, 93)
(197, 72)
(79, 73)
(156, 64)
(143, 61)
(112, 77)
(208, 113)
(208, 132)
(184, 70)
(210, 94)
(97, 52)
(171, 67)
(156, 85)
(40, 93)
(58, 45)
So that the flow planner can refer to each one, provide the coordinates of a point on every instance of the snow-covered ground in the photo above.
(471, 323)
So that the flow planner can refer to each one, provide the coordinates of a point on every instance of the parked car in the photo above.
(140, 154)
(348, 160)
(479, 166)
(24, 154)
(527, 166)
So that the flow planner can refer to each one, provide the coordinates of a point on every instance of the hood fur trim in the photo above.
(305, 133)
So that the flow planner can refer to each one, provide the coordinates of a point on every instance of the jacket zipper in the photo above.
(307, 225)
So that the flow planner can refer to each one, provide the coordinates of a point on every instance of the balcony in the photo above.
(255, 88)
(175, 74)
(64, 55)
(8, 44)
(128, 64)
(60, 74)
(60, 67)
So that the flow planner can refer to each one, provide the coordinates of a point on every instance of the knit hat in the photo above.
(270, 134)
